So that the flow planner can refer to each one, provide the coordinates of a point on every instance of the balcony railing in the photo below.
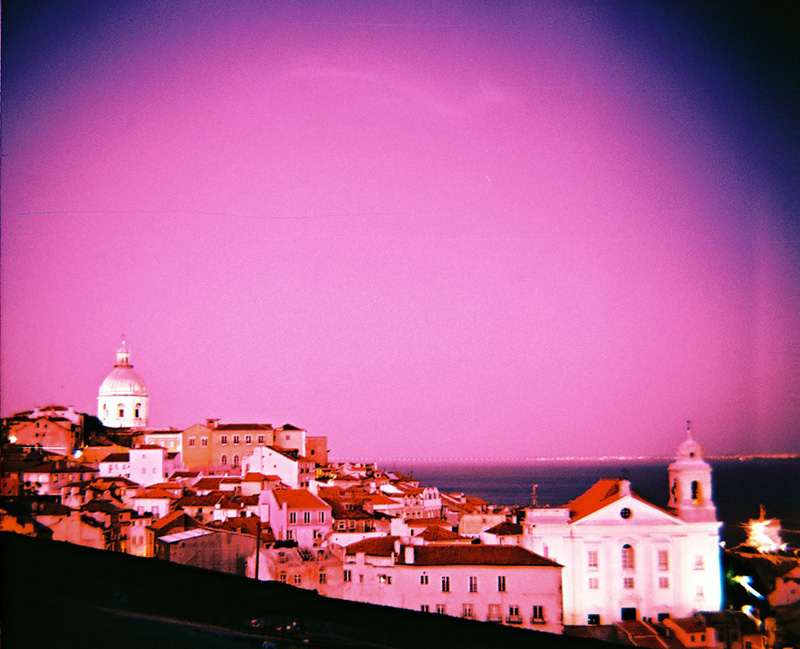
(513, 619)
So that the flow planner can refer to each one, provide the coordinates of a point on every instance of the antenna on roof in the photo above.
(689, 428)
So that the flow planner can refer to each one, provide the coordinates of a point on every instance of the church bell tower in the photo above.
(690, 483)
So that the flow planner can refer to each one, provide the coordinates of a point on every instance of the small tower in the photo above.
(690, 483)
(122, 400)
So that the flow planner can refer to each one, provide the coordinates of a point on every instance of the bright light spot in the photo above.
(745, 581)
(13, 439)
(764, 535)
(77, 454)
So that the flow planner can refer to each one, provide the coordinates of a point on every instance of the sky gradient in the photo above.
(425, 230)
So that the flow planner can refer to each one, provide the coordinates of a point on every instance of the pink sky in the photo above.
(423, 230)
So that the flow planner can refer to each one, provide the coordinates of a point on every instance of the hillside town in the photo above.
(266, 502)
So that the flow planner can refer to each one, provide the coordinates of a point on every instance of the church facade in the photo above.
(122, 400)
(626, 558)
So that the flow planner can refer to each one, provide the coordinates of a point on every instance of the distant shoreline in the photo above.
(526, 460)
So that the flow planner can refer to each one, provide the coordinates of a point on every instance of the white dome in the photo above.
(122, 382)
(122, 400)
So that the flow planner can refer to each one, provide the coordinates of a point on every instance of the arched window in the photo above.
(697, 493)
(235, 461)
(628, 559)
(136, 410)
(105, 410)
(120, 410)
(224, 459)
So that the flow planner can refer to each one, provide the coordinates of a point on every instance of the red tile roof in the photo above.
(602, 493)
(505, 529)
(244, 427)
(381, 546)
(483, 555)
(299, 499)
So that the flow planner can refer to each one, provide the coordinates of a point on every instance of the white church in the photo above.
(625, 558)
(122, 400)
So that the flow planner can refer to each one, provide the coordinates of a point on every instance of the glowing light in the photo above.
(764, 535)
(745, 581)
(77, 454)
(13, 439)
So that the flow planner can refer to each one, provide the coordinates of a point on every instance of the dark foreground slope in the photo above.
(62, 595)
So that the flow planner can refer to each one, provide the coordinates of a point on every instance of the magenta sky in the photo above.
(421, 229)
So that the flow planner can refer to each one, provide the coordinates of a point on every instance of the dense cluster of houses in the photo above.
(265, 502)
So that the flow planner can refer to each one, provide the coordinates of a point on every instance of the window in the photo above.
(441, 609)
(223, 440)
(224, 460)
(191, 441)
(663, 560)
(297, 580)
(445, 584)
(513, 615)
(473, 584)
(537, 616)
(627, 583)
(322, 517)
(593, 618)
(501, 584)
(248, 439)
(260, 440)
(494, 613)
(698, 562)
(236, 439)
(323, 578)
(136, 410)
(235, 461)
(423, 580)
(204, 441)
(292, 518)
(467, 612)
(425, 608)
(628, 559)
(594, 583)
(592, 559)
(663, 582)
(282, 577)
(348, 576)
(290, 535)
(306, 517)
(120, 411)
(697, 494)
(385, 579)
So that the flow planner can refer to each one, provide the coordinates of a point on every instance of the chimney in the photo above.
(409, 555)
(212, 423)
(397, 546)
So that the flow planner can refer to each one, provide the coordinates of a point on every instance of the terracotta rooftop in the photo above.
(436, 533)
(693, 624)
(381, 546)
(505, 529)
(474, 555)
(244, 427)
(116, 457)
(298, 499)
(601, 493)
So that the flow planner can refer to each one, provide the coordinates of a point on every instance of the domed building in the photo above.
(122, 400)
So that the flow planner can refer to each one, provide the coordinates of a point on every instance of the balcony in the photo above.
(538, 620)
(513, 619)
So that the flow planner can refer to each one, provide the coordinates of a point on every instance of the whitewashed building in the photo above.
(296, 515)
(505, 584)
(625, 558)
(293, 469)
